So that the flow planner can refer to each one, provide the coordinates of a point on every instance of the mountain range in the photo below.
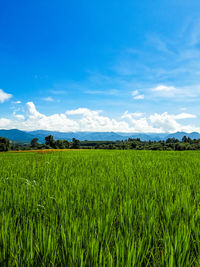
(16, 135)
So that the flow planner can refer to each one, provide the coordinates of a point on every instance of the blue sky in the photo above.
(131, 66)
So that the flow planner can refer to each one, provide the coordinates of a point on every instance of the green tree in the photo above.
(34, 143)
(59, 144)
(49, 141)
(123, 145)
(133, 145)
(4, 144)
(184, 139)
(172, 140)
(111, 146)
(75, 143)
(180, 146)
(66, 144)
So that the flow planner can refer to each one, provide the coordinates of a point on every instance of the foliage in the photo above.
(34, 143)
(61, 144)
(49, 141)
(4, 144)
(75, 143)
(170, 144)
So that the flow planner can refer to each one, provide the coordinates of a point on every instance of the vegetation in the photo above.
(34, 143)
(4, 144)
(170, 144)
(100, 208)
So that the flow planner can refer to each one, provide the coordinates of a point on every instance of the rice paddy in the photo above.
(100, 208)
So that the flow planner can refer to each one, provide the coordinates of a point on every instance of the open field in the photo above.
(100, 208)
(44, 151)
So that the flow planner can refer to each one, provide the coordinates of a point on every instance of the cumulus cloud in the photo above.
(32, 112)
(168, 123)
(92, 120)
(4, 96)
(83, 111)
(84, 119)
(159, 123)
(139, 124)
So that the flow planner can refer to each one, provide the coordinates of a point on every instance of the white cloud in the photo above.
(134, 93)
(5, 123)
(138, 97)
(138, 114)
(83, 111)
(165, 91)
(94, 121)
(159, 123)
(184, 116)
(16, 102)
(4, 96)
(168, 123)
(140, 124)
(187, 93)
(164, 88)
(19, 116)
(48, 99)
(32, 112)
(91, 120)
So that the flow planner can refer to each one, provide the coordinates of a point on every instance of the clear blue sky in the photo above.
(100, 65)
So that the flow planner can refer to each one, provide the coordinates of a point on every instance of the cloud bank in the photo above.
(84, 119)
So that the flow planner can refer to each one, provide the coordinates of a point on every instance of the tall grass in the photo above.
(100, 208)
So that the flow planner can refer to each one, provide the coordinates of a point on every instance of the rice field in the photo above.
(100, 208)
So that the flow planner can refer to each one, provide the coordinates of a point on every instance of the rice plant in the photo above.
(100, 208)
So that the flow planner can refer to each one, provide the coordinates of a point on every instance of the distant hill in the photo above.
(82, 136)
(179, 135)
(25, 137)
(17, 135)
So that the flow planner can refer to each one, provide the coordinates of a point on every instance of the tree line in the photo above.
(6, 145)
(170, 144)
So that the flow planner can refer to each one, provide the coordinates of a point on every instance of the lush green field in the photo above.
(100, 208)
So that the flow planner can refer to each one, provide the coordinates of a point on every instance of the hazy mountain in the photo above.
(17, 135)
(82, 136)
(21, 136)
(99, 136)
(179, 135)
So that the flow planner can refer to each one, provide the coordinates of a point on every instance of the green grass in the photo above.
(100, 208)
